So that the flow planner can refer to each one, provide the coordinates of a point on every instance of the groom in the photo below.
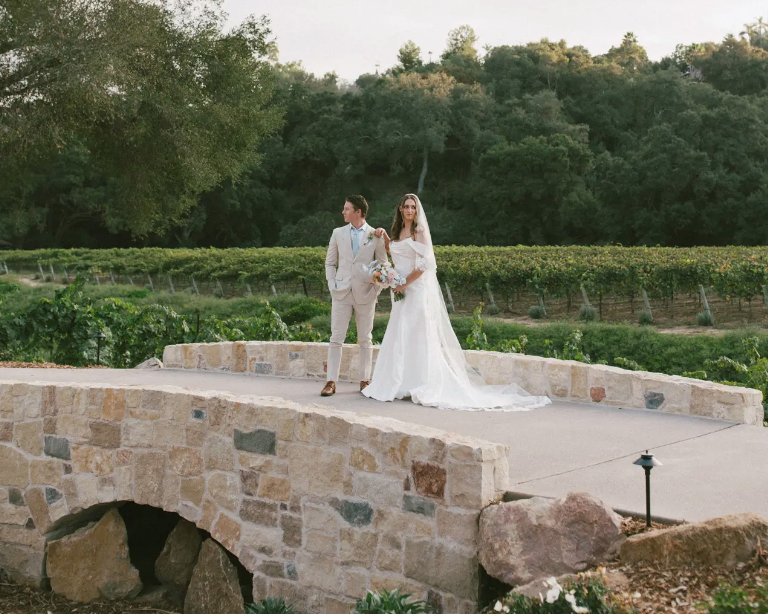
(352, 248)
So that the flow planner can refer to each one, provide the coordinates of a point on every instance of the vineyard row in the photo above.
(730, 272)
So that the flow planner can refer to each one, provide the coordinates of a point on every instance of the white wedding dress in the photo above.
(420, 356)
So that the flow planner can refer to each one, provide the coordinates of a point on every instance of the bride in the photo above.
(420, 356)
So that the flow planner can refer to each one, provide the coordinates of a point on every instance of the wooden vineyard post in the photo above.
(704, 301)
(194, 286)
(220, 288)
(40, 268)
(96, 277)
(272, 287)
(490, 295)
(647, 303)
(151, 285)
(584, 296)
(765, 296)
(130, 280)
(5, 266)
(112, 276)
(170, 284)
(451, 307)
(66, 274)
(248, 291)
(53, 275)
(304, 285)
(541, 303)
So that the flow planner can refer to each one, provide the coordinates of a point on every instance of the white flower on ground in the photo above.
(497, 607)
(553, 594)
(577, 609)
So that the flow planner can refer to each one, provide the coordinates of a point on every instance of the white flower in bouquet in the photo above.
(384, 274)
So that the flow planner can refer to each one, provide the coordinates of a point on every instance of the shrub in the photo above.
(627, 363)
(704, 318)
(575, 598)
(493, 309)
(537, 312)
(477, 340)
(395, 602)
(270, 605)
(513, 346)
(588, 313)
(304, 310)
(734, 600)
(305, 332)
(645, 317)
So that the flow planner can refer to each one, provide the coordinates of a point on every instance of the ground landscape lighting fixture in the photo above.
(647, 462)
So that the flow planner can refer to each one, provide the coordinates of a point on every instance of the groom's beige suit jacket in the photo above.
(346, 272)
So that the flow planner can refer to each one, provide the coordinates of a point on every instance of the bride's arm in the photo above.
(422, 265)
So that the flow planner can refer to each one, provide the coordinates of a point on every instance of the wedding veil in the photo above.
(436, 310)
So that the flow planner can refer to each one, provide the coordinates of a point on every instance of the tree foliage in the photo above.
(155, 102)
(542, 143)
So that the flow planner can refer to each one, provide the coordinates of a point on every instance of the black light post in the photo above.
(647, 462)
(99, 338)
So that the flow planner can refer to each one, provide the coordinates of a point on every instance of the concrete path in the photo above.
(711, 468)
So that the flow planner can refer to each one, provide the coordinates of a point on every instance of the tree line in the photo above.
(126, 123)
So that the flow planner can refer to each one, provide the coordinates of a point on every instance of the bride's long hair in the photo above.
(399, 222)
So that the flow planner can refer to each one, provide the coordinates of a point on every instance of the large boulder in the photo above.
(93, 562)
(536, 538)
(214, 588)
(719, 542)
(176, 562)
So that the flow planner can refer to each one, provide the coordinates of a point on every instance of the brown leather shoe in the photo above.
(329, 390)
(364, 385)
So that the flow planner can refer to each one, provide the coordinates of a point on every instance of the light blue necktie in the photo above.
(356, 232)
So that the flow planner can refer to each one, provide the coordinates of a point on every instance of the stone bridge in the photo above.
(319, 505)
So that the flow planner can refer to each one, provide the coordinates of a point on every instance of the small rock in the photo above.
(719, 542)
(151, 363)
(539, 586)
(214, 588)
(176, 562)
(522, 541)
(93, 562)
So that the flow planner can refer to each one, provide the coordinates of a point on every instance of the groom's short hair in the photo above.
(359, 203)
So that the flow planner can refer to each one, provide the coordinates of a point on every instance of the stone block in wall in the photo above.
(28, 436)
(14, 467)
(173, 357)
(444, 566)
(318, 471)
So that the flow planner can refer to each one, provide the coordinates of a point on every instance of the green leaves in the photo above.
(63, 330)
(395, 602)
(166, 103)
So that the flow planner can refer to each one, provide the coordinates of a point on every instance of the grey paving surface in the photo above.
(710, 467)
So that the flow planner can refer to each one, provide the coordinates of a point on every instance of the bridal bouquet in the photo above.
(385, 275)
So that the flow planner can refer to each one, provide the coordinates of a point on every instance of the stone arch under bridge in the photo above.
(321, 506)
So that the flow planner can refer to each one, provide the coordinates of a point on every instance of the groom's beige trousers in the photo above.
(341, 313)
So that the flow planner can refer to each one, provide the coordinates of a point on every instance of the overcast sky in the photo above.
(352, 36)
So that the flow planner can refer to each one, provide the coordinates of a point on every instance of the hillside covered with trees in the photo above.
(537, 144)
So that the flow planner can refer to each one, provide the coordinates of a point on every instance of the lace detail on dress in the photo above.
(422, 264)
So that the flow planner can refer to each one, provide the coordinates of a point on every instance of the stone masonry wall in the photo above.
(321, 506)
(558, 379)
